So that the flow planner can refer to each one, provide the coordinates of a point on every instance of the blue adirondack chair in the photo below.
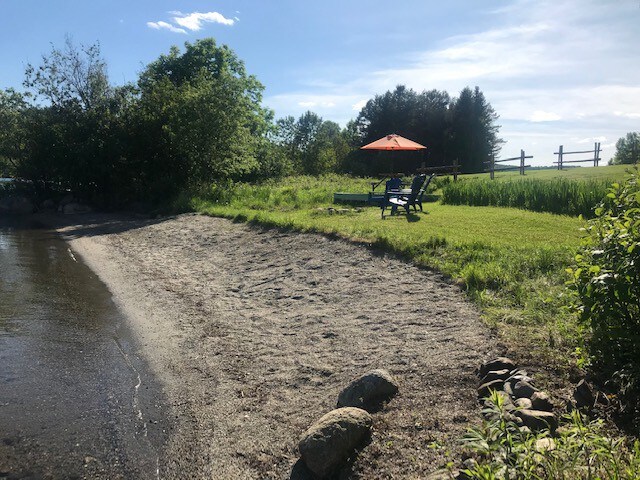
(396, 198)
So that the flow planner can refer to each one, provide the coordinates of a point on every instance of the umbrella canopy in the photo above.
(393, 142)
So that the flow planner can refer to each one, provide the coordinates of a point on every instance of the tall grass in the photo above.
(560, 196)
(291, 193)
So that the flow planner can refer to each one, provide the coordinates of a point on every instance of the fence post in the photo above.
(560, 158)
(521, 162)
(596, 154)
(492, 166)
(455, 170)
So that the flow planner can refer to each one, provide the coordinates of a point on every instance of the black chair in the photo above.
(395, 198)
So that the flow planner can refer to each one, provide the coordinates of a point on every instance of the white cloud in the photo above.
(359, 105)
(165, 26)
(307, 104)
(194, 21)
(542, 116)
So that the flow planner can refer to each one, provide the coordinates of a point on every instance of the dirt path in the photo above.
(255, 332)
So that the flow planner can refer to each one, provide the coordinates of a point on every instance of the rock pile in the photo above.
(329, 442)
(525, 404)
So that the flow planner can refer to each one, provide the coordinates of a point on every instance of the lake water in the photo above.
(76, 401)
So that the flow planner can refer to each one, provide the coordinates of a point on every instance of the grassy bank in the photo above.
(510, 261)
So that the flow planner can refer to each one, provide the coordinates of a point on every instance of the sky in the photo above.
(559, 72)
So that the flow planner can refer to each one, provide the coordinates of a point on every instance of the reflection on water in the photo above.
(69, 377)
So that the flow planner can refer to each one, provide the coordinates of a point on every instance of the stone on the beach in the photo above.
(545, 445)
(583, 395)
(369, 390)
(541, 401)
(507, 388)
(513, 379)
(537, 420)
(523, 389)
(495, 375)
(330, 441)
(524, 403)
(499, 363)
(484, 390)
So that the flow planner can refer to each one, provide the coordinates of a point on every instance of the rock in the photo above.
(513, 379)
(507, 389)
(523, 389)
(495, 375)
(16, 205)
(331, 440)
(541, 401)
(545, 445)
(499, 363)
(524, 403)
(73, 208)
(369, 390)
(538, 420)
(583, 394)
(484, 390)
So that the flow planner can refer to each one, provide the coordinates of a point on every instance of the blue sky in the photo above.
(557, 72)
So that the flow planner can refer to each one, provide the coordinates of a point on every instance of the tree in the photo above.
(200, 117)
(627, 149)
(13, 132)
(474, 130)
(422, 117)
(71, 75)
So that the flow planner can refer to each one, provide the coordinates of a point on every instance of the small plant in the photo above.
(580, 450)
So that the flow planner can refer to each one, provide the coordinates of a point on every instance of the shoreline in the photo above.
(253, 332)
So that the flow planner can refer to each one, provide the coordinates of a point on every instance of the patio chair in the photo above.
(395, 198)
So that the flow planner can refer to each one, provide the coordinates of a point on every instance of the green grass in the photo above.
(510, 261)
(560, 195)
(607, 172)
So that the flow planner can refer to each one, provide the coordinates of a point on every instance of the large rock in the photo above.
(499, 363)
(541, 401)
(523, 389)
(495, 375)
(584, 395)
(485, 389)
(369, 390)
(538, 420)
(328, 443)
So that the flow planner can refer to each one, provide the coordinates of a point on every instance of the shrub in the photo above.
(607, 276)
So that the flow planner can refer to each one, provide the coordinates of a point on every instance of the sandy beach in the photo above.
(253, 332)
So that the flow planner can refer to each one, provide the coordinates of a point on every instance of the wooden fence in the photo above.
(561, 153)
(443, 170)
(521, 166)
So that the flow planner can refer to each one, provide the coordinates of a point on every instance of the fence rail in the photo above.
(561, 153)
(492, 164)
(453, 169)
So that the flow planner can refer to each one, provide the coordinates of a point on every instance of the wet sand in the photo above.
(253, 332)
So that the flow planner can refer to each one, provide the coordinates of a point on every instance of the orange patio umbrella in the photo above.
(393, 142)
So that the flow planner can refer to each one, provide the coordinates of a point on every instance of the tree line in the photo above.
(195, 116)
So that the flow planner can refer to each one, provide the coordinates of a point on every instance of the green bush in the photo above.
(607, 279)
(578, 450)
(559, 196)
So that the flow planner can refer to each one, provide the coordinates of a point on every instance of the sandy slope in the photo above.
(255, 332)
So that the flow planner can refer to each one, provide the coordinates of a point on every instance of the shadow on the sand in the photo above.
(93, 224)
